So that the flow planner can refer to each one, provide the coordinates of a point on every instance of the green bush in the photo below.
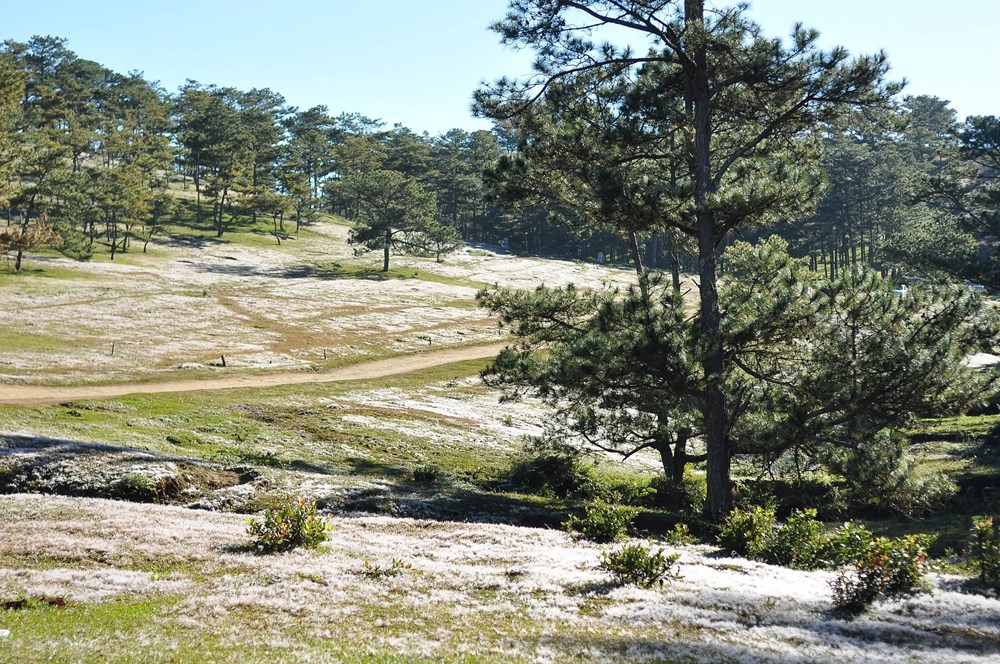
(799, 542)
(687, 497)
(602, 521)
(847, 544)
(679, 536)
(553, 473)
(748, 532)
(985, 551)
(639, 565)
(629, 490)
(428, 474)
(288, 524)
(889, 568)
(376, 571)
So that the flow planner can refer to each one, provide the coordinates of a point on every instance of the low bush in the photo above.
(602, 521)
(847, 544)
(376, 571)
(634, 491)
(748, 533)
(288, 524)
(687, 497)
(679, 536)
(639, 565)
(889, 568)
(798, 543)
(553, 473)
(801, 542)
(984, 550)
(428, 474)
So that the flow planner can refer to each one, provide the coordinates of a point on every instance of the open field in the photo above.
(361, 392)
(307, 305)
(112, 581)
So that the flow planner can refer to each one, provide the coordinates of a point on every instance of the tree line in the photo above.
(87, 156)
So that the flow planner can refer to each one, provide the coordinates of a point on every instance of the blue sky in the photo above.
(417, 62)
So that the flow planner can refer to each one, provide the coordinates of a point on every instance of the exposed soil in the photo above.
(32, 395)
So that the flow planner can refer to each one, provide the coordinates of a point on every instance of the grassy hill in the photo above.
(435, 555)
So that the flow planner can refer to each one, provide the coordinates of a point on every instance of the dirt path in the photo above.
(33, 395)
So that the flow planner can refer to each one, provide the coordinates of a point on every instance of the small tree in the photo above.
(393, 212)
(33, 234)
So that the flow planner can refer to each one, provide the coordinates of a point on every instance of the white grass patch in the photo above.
(532, 594)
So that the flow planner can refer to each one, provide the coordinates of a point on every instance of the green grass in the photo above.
(362, 270)
(30, 272)
(17, 340)
(145, 631)
(235, 425)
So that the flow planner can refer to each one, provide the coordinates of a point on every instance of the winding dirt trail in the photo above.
(35, 395)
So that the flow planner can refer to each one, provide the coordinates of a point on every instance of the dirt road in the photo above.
(34, 395)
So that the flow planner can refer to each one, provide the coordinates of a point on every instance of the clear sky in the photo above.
(417, 62)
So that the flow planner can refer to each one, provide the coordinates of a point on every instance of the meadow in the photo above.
(124, 524)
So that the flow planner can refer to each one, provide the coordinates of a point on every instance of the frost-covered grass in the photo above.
(308, 304)
(151, 582)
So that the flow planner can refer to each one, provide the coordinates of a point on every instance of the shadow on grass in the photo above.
(40, 464)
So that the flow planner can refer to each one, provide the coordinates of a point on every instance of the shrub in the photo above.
(985, 551)
(847, 544)
(799, 542)
(629, 490)
(748, 532)
(428, 474)
(602, 521)
(134, 486)
(687, 497)
(555, 473)
(394, 568)
(679, 536)
(288, 524)
(889, 568)
(639, 565)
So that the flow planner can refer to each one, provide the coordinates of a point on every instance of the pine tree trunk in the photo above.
(719, 495)
(385, 251)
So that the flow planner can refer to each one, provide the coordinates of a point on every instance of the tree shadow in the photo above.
(41, 464)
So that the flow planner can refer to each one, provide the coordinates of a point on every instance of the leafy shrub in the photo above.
(555, 473)
(679, 536)
(639, 565)
(628, 490)
(687, 497)
(985, 551)
(748, 532)
(428, 474)
(288, 524)
(602, 521)
(799, 542)
(847, 544)
(890, 568)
